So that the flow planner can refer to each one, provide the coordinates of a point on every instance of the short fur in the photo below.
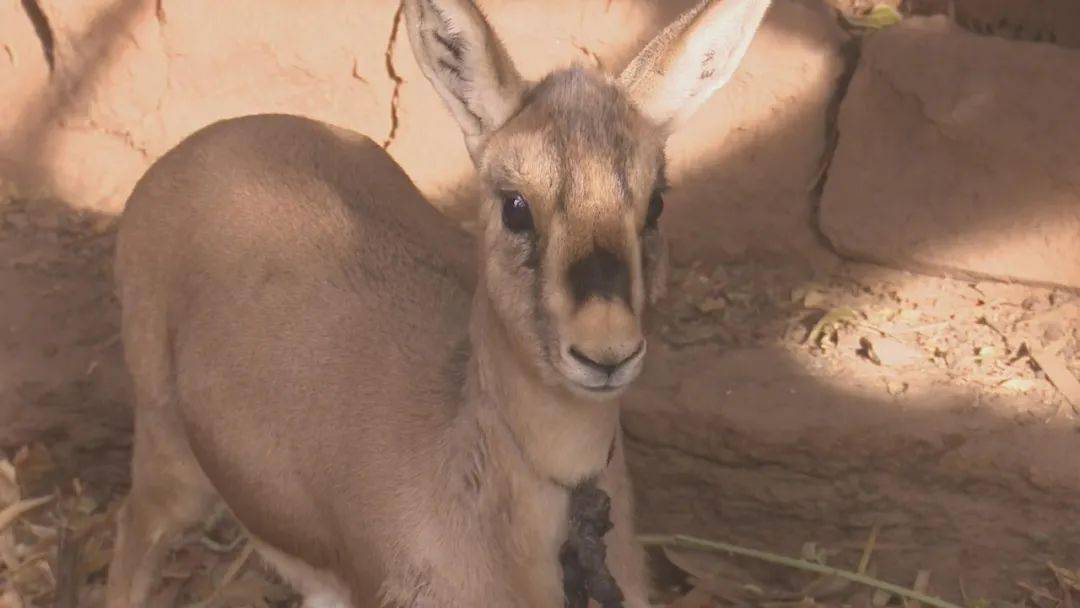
(396, 420)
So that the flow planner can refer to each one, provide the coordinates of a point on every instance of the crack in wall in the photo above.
(394, 76)
(851, 51)
(43, 30)
(1007, 486)
(589, 54)
(742, 457)
(126, 137)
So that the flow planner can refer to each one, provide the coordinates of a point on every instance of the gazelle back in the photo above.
(395, 412)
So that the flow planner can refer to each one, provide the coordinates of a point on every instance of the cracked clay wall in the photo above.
(96, 90)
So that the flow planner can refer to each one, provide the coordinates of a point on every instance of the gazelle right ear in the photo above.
(466, 63)
(692, 58)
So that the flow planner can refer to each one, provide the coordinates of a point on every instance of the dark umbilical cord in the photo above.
(584, 554)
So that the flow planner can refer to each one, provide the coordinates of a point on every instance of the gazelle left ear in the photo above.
(466, 63)
(692, 58)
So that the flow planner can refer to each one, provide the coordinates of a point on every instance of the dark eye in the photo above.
(656, 207)
(515, 212)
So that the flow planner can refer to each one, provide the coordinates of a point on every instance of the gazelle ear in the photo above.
(692, 58)
(466, 63)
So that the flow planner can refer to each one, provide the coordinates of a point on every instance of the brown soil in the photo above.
(785, 408)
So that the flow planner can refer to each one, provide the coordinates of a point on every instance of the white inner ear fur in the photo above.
(466, 63)
(692, 58)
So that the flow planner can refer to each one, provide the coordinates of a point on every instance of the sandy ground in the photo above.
(874, 353)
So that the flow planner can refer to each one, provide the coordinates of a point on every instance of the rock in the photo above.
(1055, 21)
(325, 60)
(1039, 20)
(133, 78)
(762, 451)
(17, 220)
(24, 75)
(891, 352)
(957, 155)
(743, 170)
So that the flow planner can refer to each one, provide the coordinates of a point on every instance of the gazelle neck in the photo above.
(565, 438)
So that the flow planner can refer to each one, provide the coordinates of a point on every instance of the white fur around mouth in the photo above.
(593, 383)
(602, 389)
(601, 392)
(611, 387)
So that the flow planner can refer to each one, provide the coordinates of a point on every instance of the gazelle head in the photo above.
(572, 175)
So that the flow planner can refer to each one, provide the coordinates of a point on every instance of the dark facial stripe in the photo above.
(601, 274)
(561, 149)
(532, 260)
(622, 166)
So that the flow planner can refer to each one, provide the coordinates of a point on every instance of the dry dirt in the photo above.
(736, 340)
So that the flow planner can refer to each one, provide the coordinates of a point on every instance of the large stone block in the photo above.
(957, 153)
(132, 78)
(744, 169)
(766, 451)
(1039, 20)
(324, 59)
(24, 75)
(73, 135)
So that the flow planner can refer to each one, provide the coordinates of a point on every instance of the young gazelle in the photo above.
(393, 420)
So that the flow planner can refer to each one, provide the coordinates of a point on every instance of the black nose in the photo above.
(606, 368)
(600, 274)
